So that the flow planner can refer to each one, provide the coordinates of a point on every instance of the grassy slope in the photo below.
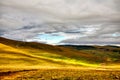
(105, 54)
(16, 54)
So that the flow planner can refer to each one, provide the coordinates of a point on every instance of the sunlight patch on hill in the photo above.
(22, 57)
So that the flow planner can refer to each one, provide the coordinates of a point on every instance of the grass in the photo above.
(105, 56)
(61, 74)
(10, 56)
(34, 61)
(34, 54)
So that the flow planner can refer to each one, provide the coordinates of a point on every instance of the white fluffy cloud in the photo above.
(76, 20)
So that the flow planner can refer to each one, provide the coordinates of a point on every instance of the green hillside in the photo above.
(31, 54)
(18, 54)
(106, 54)
(36, 61)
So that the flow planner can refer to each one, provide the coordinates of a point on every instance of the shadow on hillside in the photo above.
(26, 57)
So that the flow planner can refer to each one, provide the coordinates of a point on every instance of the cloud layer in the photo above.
(78, 21)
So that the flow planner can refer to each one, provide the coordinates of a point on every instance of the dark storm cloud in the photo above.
(77, 20)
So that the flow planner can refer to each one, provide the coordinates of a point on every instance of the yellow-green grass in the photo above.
(16, 54)
(34, 61)
(11, 57)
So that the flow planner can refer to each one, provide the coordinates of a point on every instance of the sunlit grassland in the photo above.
(51, 63)
(11, 57)
(27, 57)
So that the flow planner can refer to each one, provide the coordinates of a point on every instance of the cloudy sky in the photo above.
(61, 21)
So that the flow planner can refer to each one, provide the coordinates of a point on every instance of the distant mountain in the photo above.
(94, 47)
(79, 47)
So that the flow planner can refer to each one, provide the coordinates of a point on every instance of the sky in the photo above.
(61, 21)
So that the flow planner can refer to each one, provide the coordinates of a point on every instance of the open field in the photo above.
(35, 61)
(61, 74)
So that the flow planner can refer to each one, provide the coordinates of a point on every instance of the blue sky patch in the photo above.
(50, 38)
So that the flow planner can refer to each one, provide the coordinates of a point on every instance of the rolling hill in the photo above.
(111, 54)
(18, 54)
